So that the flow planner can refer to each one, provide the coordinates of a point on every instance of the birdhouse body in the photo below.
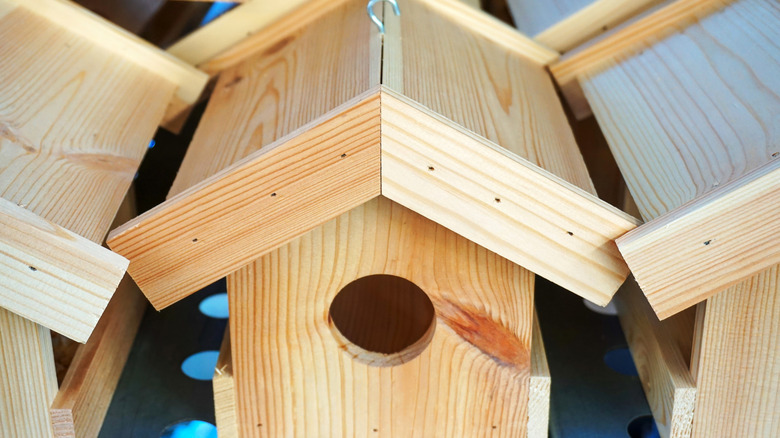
(300, 370)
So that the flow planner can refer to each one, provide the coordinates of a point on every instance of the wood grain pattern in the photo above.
(631, 37)
(709, 244)
(52, 276)
(75, 121)
(82, 402)
(225, 391)
(539, 386)
(668, 385)
(538, 392)
(739, 371)
(231, 28)
(262, 202)
(471, 380)
(189, 82)
(485, 193)
(28, 382)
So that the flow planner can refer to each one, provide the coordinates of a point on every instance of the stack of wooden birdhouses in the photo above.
(380, 183)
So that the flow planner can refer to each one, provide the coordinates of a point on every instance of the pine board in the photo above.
(471, 380)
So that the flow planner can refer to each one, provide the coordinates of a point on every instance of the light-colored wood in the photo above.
(52, 276)
(315, 149)
(564, 24)
(670, 390)
(739, 368)
(708, 244)
(231, 28)
(338, 169)
(294, 378)
(225, 391)
(539, 386)
(80, 21)
(83, 400)
(81, 404)
(483, 24)
(302, 22)
(538, 391)
(700, 106)
(483, 86)
(630, 38)
(486, 193)
(28, 381)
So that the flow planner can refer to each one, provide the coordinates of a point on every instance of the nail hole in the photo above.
(620, 361)
(343, 155)
(195, 240)
(376, 430)
(215, 306)
(190, 429)
(430, 168)
(498, 200)
(643, 427)
(569, 233)
(273, 194)
(776, 154)
(33, 268)
(707, 242)
(200, 366)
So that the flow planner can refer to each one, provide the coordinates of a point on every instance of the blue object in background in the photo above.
(190, 429)
(215, 306)
(620, 360)
(200, 366)
(217, 9)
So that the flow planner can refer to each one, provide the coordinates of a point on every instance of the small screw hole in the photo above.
(343, 155)
(498, 200)
(569, 233)
(195, 240)
(33, 268)
(273, 194)
(431, 168)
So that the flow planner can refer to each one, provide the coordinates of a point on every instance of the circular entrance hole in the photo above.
(382, 320)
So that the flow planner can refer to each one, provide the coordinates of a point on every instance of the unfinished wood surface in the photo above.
(663, 370)
(225, 391)
(538, 392)
(272, 110)
(709, 244)
(255, 205)
(471, 380)
(188, 81)
(486, 193)
(486, 88)
(629, 38)
(288, 27)
(81, 404)
(739, 366)
(539, 386)
(76, 121)
(28, 381)
(83, 400)
(231, 28)
(52, 276)
(564, 24)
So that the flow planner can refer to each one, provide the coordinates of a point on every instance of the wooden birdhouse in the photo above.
(379, 203)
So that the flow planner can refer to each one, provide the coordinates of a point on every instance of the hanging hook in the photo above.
(376, 19)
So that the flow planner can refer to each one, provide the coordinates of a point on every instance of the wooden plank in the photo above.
(739, 368)
(270, 128)
(79, 21)
(338, 169)
(708, 244)
(630, 38)
(82, 402)
(486, 193)
(52, 276)
(472, 379)
(482, 86)
(663, 370)
(564, 24)
(538, 392)
(28, 382)
(483, 24)
(539, 386)
(231, 28)
(225, 392)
